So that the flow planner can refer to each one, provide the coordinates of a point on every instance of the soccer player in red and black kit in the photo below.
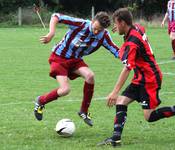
(136, 54)
(84, 37)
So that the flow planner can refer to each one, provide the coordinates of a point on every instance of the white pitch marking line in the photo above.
(74, 100)
(169, 73)
(164, 93)
(68, 100)
(166, 62)
(98, 98)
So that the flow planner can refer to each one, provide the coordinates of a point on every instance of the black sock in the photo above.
(160, 113)
(119, 122)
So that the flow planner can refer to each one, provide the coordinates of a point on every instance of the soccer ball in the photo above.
(65, 127)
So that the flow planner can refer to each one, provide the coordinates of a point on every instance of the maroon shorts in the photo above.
(147, 96)
(60, 66)
(171, 27)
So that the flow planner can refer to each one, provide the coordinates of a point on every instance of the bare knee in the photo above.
(147, 117)
(123, 100)
(62, 91)
(147, 114)
(172, 36)
(120, 102)
(90, 77)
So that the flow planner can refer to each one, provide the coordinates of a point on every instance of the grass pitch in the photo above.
(24, 75)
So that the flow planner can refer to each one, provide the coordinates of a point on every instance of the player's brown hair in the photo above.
(123, 14)
(103, 19)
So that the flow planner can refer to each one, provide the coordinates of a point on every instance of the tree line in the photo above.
(146, 8)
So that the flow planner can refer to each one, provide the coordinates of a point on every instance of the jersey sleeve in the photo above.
(110, 45)
(167, 7)
(70, 21)
(129, 56)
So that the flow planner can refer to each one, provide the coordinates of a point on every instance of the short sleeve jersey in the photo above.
(136, 54)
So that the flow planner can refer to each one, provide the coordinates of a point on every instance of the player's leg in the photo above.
(152, 115)
(150, 101)
(130, 94)
(119, 121)
(88, 91)
(172, 37)
(63, 90)
(121, 115)
(59, 71)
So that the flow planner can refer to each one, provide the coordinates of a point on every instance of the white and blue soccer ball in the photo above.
(65, 127)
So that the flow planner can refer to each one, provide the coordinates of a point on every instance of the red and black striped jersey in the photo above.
(136, 54)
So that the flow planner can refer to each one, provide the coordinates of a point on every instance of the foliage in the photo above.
(7, 6)
(83, 8)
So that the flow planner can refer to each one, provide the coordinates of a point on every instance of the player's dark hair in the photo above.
(103, 19)
(123, 14)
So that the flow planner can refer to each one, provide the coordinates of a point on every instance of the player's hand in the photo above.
(162, 24)
(112, 99)
(45, 39)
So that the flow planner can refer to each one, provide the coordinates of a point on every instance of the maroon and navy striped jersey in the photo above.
(171, 10)
(80, 40)
(136, 54)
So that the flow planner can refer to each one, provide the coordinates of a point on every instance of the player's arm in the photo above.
(164, 19)
(67, 20)
(110, 45)
(129, 62)
(112, 97)
(59, 18)
(52, 27)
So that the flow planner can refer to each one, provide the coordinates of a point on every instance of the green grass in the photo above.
(24, 75)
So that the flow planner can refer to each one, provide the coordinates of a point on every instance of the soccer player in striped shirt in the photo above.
(136, 54)
(66, 61)
(170, 15)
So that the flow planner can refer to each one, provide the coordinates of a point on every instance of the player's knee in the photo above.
(90, 77)
(122, 100)
(172, 36)
(147, 117)
(64, 90)
(119, 102)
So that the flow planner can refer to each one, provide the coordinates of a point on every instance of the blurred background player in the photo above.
(170, 15)
(136, 54)
(83, 38)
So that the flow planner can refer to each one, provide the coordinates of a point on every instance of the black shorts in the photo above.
(147, 95)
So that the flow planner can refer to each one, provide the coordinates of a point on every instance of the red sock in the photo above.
(173, 45)
(46, 98)
(87, 96)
